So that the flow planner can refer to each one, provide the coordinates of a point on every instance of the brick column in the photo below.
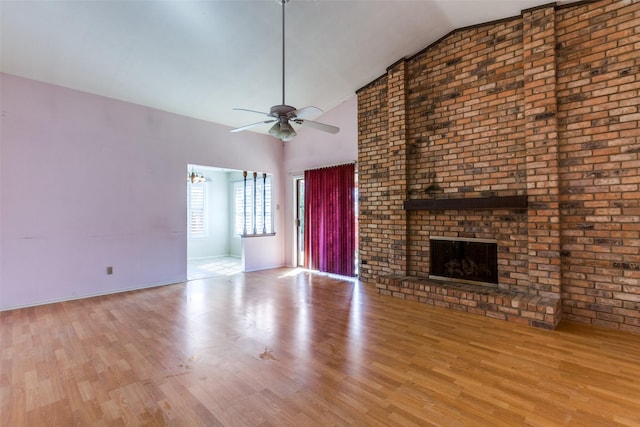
(397, 160)
(541, 138)
(372, 177)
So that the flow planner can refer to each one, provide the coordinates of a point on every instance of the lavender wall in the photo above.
(313, 149)
(89, 182)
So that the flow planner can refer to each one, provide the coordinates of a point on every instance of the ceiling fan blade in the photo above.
(251, 125)
(252, 111)
(317, 125)
(308, 112)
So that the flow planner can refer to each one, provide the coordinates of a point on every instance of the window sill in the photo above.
(257, 235)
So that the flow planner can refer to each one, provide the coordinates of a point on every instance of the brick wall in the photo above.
(545, 104)
(598, 90)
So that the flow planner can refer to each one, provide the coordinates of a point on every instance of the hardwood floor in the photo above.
(282, 347)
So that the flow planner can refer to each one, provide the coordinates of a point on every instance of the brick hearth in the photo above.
(532, 310)
(540, 110)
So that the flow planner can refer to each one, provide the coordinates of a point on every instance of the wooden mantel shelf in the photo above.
(496, 202)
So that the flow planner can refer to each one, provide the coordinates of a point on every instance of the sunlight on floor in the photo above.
(299, 270)
(212, 267)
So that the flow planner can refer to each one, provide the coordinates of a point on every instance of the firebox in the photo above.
(464, 260)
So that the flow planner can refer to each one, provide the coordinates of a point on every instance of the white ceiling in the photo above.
(203, 58)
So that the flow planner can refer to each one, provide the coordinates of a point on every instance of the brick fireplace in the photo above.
(463, 260)
(523, 132)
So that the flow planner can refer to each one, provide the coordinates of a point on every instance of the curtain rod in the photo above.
(352, 162)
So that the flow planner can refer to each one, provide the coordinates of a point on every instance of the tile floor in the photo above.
(202, 268)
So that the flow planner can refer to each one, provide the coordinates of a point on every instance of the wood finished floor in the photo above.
(280, 348)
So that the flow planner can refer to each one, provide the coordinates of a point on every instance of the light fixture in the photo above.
(194, 177)
(283, 130)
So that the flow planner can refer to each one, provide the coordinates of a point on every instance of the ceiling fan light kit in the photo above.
(283, 131)
(282, 114)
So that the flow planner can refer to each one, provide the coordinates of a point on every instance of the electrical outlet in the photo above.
(109, 270)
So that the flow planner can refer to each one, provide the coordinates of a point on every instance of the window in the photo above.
(197, 210)
(252, 202)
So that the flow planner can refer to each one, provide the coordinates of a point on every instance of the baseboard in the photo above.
(98, 294)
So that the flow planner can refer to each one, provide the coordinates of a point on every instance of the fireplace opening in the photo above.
(464, 260)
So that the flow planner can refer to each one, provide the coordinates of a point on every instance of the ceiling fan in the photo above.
(283, 115)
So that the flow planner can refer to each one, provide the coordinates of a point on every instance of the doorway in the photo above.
(213, 248)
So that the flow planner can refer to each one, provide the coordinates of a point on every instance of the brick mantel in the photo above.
(497, 202)
(534, 123)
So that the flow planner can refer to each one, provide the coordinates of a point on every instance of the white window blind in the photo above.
(197, 208)
(262, 202)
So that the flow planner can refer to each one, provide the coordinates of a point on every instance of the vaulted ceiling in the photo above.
(203, 58)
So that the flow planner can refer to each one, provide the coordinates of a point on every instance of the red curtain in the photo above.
(329, 220)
